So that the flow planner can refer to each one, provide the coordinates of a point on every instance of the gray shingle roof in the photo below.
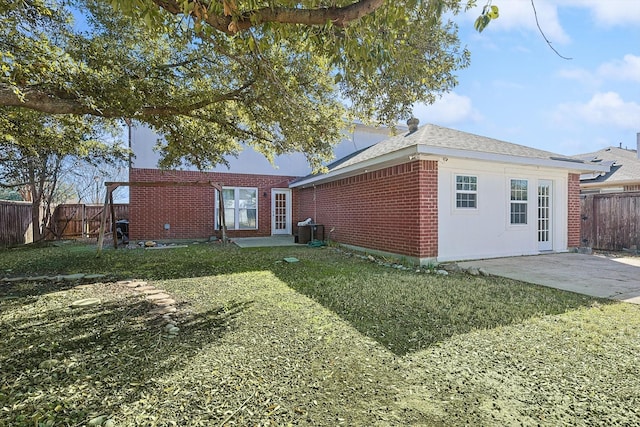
(437, 140)
(625, 165)
(436, 136)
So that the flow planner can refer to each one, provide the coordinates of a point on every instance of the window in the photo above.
(466, 192)
(240, 208)
(518, 209)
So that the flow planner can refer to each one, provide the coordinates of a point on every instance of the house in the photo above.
(622, 174)
(438, 194)
(428, 194)
(180, 204)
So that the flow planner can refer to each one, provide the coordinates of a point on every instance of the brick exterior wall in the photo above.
(190, 209)
(393, 209)
(574, 219)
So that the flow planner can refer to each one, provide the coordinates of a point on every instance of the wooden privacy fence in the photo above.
(72, 221)
(611, 221)
(15, 223)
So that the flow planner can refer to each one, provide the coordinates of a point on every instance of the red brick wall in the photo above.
(189, 209)
(393, 209)
(573, 225)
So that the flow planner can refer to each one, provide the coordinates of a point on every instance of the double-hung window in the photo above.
(240, 208)
(519, 201)
(466, 192)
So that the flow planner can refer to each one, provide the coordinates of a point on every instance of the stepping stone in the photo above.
(94, 276)
(159, 296)
(72, 277)
(149, 290)
(163, 310)
(132, 284)
(88, 286)
(164, 302)
(85, 302)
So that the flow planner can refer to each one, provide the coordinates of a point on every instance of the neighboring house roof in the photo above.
(440, 141)
(623, 164)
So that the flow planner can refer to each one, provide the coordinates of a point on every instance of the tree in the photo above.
(9, 194)
(87, 180)
(37, 149)
(281, 77)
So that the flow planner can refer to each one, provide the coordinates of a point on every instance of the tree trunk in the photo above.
(35, 218)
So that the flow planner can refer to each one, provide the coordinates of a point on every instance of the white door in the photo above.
(280, 211)
(545, 242)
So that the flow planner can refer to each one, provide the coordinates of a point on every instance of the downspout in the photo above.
(315, 206)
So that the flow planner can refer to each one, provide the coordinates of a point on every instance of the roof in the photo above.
(440, 141)
(624, 166)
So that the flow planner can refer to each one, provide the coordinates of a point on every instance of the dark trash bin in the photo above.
(122, 230)
(307, 233)
(304, 234)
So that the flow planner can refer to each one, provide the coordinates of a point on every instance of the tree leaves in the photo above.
(275, 86)
(489, 12)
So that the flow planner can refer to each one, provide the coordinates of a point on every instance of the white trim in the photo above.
(287, 193)
(395, 158)
(510, 201)
(236, 208)
(568, 164)
(456, 208)
(548, 244)
(424, 152)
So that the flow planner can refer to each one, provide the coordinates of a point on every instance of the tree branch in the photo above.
(338, 16)
(42, 101)
(535, 14)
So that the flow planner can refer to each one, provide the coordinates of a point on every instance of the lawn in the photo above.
(330, 340)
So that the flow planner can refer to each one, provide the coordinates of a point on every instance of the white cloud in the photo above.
(519, 15)
(451, 108)
(608, 13)
(626, 69)
(607, 109)
(579, 75)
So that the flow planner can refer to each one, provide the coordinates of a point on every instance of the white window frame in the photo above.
(236, 208)
(521, 202)
(465, 191)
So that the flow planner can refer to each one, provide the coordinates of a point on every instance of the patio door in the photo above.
(280, 211)
(545, 188)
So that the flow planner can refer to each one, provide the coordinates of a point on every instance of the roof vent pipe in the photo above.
(413, 124)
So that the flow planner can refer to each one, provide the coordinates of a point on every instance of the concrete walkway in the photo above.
(613, 278)
(265, 242)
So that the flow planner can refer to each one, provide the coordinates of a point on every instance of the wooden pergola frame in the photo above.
(112, 186)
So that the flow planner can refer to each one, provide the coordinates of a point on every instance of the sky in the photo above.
(518, 90)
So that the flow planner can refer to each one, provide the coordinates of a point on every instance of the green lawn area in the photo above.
(329, 340)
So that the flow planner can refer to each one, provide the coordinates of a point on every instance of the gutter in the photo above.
(409, 153)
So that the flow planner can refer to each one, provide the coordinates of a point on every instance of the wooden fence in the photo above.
(15, 223)
(72, 221)
(611, 221)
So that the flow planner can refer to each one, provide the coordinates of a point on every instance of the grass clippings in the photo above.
(330, 340)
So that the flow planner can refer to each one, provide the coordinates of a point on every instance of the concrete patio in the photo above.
(265, 242)
(595, 275)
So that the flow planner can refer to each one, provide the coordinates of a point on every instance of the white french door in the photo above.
(280, 211)
(545, 188)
